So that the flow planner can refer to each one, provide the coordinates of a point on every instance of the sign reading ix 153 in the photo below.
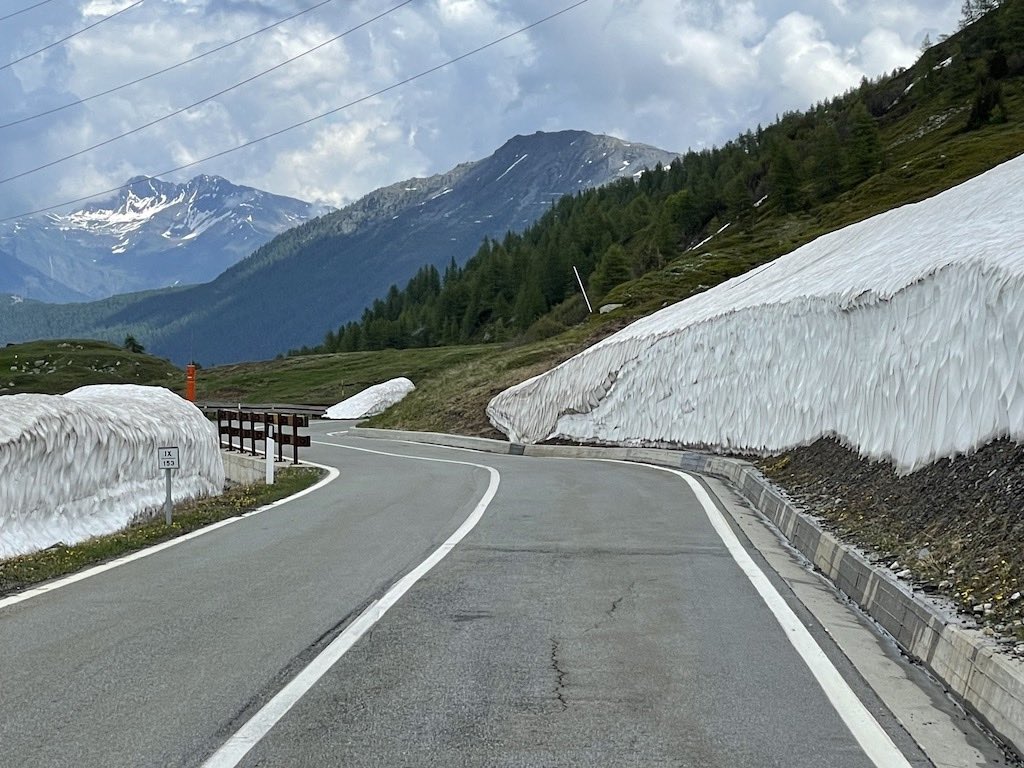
(168, 457)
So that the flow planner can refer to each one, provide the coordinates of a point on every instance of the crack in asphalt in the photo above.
(610, 613)
(560, 675)
(619, 599)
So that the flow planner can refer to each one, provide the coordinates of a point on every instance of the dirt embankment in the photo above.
(955, 527)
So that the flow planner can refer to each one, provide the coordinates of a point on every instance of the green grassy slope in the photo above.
(57, 367)
(327, 379)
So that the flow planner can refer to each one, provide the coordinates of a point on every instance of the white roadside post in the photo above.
(582, 289)
(168, 458)
(270, 454)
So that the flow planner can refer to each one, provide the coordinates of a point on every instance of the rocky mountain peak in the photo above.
(122, 243)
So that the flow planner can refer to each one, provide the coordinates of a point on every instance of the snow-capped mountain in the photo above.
(152, 234)
(327, 271)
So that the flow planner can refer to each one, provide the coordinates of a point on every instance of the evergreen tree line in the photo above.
(525, 284)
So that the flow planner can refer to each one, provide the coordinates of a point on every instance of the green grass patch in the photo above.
(453, 399)
(60, 560)
(327, 379)
(57, 367)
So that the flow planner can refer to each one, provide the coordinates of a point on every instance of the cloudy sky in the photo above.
(672, 73)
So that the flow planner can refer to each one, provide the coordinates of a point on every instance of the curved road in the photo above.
(585, 613)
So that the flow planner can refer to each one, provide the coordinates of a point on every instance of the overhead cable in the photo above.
(194, 104)
(10, 15)
(322, 115)
(73, 34)
(138, 80)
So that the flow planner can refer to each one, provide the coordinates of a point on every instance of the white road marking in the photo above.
(873, 739)
(250, 734)
(28, 594)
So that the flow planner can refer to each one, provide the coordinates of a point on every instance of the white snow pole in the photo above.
(270, 454)
(168, 502)
(580, 281)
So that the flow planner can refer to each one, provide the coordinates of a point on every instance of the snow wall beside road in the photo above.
(372, 400)
(85, 464)
(902, 335)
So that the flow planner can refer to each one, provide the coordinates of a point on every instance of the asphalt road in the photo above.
(593, 616)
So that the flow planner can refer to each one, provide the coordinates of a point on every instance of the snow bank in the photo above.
(85, 464)
(372, 400)
(902, 335)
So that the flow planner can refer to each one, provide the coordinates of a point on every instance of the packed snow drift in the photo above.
(85, 464)
(902, 335)
(372, 400)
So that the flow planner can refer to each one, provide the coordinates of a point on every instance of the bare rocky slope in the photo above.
(953, 527)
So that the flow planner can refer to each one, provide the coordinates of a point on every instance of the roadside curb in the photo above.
(987, 682)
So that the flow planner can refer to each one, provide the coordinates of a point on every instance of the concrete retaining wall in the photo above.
(242, 469)
(988, 682)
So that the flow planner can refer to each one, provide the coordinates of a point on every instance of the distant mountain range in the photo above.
(152, 234)
(324, 272)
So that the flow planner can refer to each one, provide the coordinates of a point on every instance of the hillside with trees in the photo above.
(714, 214)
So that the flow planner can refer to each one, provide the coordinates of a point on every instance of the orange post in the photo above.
(190, 383)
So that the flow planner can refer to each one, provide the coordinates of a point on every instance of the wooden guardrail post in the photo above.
(255, 425)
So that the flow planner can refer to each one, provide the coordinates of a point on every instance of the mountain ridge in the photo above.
(327, 270)
(152, 233)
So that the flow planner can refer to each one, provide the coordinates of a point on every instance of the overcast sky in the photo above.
(672, 73)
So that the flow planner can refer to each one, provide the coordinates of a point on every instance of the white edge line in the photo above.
(96, 570)
(873, 739)
(250, 734)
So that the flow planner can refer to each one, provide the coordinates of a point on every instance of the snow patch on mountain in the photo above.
(132, 214)
(120, 245)
(517, 162)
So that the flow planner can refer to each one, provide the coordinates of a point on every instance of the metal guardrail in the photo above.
(209, 407)
(239, 425)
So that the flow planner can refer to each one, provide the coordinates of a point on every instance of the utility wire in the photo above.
(65, 39)
(322, 115)
(194, 104)
(162, 71)
(16, 13)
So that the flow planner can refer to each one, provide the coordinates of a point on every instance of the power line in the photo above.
(162, 71)
(10, 15)
(169, 115)
(73, 34)
(322, 115)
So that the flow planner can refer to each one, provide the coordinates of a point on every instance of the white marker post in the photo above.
(168, 458)
(270, 454)
(584, 290)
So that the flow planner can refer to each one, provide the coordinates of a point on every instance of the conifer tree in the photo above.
(828, 161)
(784, 177)
(865, 153)
(612, 269)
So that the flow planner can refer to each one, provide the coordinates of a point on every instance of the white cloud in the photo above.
(796, 55)
(882, 50)
(712, 58)
(674, 73)
(334, 164)
(104, 8)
